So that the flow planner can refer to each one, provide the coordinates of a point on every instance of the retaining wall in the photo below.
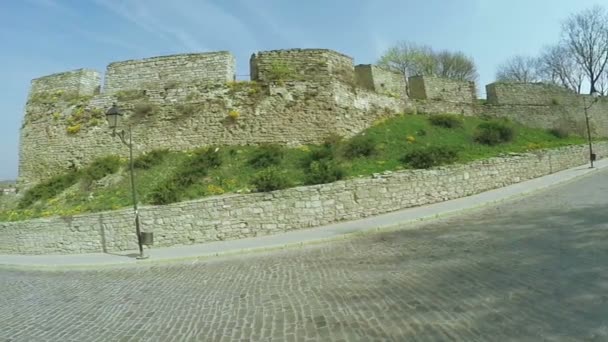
(241, 216)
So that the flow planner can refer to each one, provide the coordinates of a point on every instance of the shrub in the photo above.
(427, 157)
(128, 95)
(198, 166)
(74, 129)
(493, 133)
(332, 140)
(558, 133)
(318, 153)
(150, 159)
(446, 120)
(167, 192)
(360, 146)
(269, 179)
(266, 156)
(234, 115)
(189, 173)
(48, 189)
(143, 109)
(213, 189)
(280, 71)
(101, 167)
(324, 171)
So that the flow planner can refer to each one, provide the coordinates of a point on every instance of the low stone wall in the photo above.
(240, 216)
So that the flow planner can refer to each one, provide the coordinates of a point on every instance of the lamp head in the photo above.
(114, 116)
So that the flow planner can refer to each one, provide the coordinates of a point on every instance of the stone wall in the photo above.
(318, 65)
(379, 80)
(78, 82)
(432, 107)
(211, 67)
(435, 88)
(502, 93)
(546, 106)
(194, 115)
(240, 216)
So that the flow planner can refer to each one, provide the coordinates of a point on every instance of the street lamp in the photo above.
(114, 117)
(595, 97)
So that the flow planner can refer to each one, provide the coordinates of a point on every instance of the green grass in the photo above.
(392, 139)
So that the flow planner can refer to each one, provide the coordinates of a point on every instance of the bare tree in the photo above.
(586, 36)
(408, 59)
(411, 59)
(602, 83)
(455, 65)
(518, 69)
(556, 65)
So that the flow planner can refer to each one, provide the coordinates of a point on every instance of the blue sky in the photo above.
(41, 37)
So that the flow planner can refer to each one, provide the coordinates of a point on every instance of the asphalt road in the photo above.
(531, 270)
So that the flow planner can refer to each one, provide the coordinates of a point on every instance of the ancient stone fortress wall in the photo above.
(433, 95)
(380, 80)
(546, 106)
(513, 93)
(80, 82)
(316, 65)
(185, 115)
(441, 89)
(241, 216)
(212, 67)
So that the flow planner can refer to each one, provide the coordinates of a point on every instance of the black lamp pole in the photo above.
(114, 117)
(586, 107)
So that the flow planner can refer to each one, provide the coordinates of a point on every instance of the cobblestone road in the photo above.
(531, 270)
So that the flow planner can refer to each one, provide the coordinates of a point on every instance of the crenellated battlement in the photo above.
(211, 67)
(302, 65)
(80, 82)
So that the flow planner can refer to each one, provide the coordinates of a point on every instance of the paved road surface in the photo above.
(531, 270)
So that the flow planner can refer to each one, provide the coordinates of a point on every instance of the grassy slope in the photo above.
(390, 136)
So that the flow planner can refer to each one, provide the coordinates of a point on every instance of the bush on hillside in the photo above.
(493, 133)
(446, 120)
(48, 189)
(269, 179)
(101, 167)
(266, 156)
(360, 146)
(424, 158)
(209, 158)
(166, 193)
(190, 172)
(324, 171)
(148, 160)
(559, 133)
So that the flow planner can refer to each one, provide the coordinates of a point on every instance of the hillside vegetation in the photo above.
(162, 177)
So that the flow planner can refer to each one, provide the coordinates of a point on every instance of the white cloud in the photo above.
(289, 35)
(189, 24)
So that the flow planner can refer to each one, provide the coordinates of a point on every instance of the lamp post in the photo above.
(114, 117)
(594, 95)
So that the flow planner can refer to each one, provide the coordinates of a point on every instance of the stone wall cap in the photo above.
(298, 50)
(156, 58)
(65, 72)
